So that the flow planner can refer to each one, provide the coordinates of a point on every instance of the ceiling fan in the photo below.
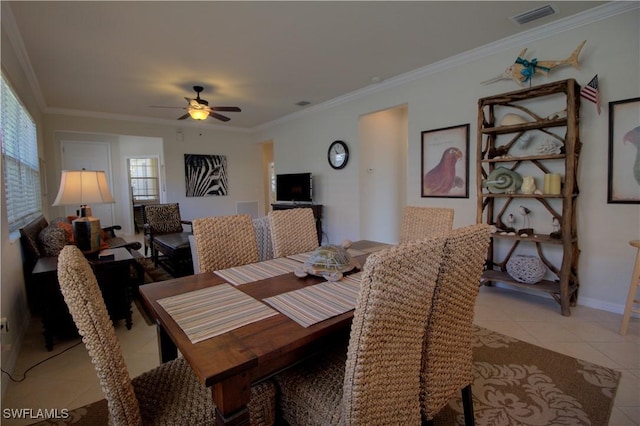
(199, 109)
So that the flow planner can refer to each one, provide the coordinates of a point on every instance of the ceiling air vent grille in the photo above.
(534, 14)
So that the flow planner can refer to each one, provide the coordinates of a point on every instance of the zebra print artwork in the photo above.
(205, 175)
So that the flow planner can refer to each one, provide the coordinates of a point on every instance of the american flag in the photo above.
(591, 93)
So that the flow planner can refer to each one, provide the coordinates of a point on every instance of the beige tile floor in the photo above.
(69, 381)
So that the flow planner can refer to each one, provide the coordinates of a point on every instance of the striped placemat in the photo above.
(258, 271)
(302, 257)
(319, 302)
(212, 311)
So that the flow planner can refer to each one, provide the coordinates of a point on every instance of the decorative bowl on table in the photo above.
(329, 261)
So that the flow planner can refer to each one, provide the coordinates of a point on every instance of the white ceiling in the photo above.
(119, 58)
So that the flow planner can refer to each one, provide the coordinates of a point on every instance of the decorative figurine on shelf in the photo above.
(503, 180)
(555, 223)
(507, 229)
(528, 185)
(549, 146)
(523, 70)
(526, 231)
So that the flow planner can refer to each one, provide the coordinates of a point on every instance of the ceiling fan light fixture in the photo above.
(198, 114)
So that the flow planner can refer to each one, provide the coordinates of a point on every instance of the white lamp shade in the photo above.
(81, 187)
(198, 114)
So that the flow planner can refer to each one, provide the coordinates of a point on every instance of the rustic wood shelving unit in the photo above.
(564, 288)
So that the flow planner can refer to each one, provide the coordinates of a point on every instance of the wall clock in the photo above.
(338, 154)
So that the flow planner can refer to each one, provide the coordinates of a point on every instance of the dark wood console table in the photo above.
(317, 214)
(114, 278)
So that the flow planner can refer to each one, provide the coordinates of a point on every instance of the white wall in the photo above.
(446, 96)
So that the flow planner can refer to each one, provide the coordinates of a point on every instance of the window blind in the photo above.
(143, 179)
(19, 160)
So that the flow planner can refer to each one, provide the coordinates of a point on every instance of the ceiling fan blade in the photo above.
(184, 116)
(219, 116)
(222, 108)
(158, 106)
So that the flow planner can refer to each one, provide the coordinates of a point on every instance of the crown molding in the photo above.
(590, 16)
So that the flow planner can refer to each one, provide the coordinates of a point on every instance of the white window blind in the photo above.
(19, 160)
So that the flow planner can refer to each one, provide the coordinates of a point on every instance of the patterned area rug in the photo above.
(515, 383)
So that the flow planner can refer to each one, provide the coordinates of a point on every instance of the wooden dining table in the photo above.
(230, 362)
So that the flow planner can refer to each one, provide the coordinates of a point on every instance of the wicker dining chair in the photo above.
(424, 222)
(447, 364)
(376, 380)
(169, 394)
(225, 241)
(293, 231)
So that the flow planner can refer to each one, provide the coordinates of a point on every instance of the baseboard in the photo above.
(616, 308)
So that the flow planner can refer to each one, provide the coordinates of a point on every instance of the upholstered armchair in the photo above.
(161, 219)
(164, 233)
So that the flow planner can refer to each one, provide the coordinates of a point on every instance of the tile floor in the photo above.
(69, 381)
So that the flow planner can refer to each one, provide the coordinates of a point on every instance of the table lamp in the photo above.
(84, 187)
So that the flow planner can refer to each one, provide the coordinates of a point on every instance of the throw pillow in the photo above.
(68, 229)
(51, 240)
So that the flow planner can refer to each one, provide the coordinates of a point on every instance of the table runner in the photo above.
(319, 302)
(212, 311)
(302, 257)
(258, 271)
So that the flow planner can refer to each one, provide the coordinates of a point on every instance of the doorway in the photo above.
(383, 137)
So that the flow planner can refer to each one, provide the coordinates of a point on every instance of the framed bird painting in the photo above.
(445, 162)
(624, 151)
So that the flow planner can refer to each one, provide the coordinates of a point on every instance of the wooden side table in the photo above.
(56, 319)
(114, 278)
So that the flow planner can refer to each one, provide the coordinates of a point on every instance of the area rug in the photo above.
(515, 383)
(152, 274)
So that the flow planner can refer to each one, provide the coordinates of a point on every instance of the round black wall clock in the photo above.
(338, 155)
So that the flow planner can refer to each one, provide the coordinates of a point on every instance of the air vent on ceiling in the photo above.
(303, 103)
(534, 14)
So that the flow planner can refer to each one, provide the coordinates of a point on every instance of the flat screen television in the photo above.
(295, 187)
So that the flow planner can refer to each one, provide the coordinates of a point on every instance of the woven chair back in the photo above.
(163, 218)
(84, 299)
(381, 383)
(447, 357)
(225, 241)
(425, 222)
(293, 231)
